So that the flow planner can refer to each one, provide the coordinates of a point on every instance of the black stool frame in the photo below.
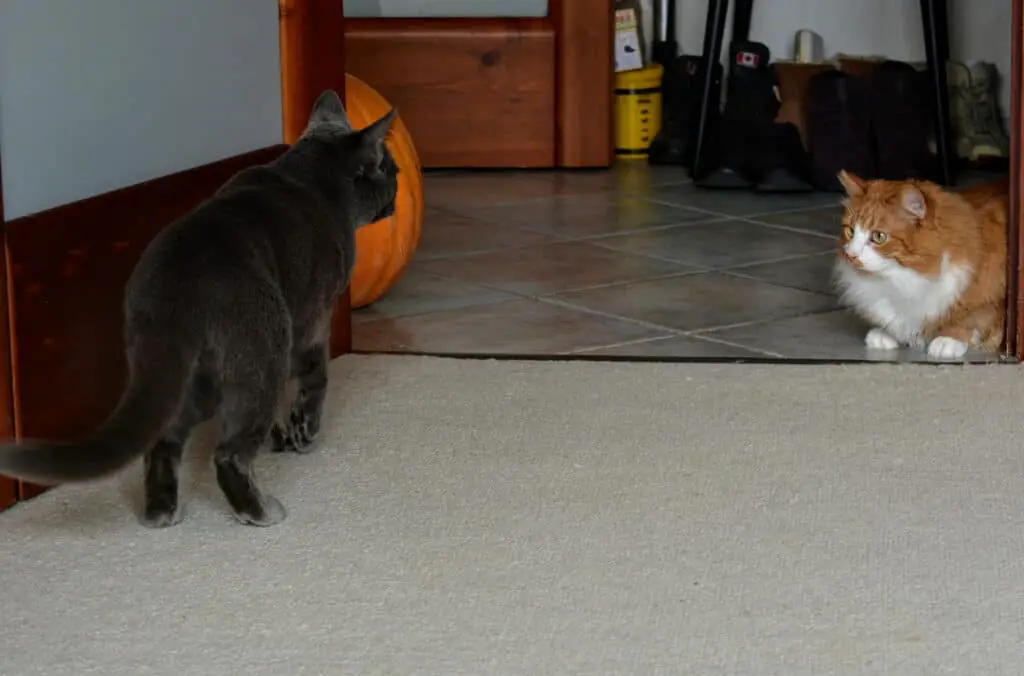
(935, 21)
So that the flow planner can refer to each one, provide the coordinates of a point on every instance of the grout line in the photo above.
(625, 282)
(779, 284)
(627, 192)
(608, 315)
(547, 294)
(639, 231)
(469, 306)
(583, 192)
(739, 325)
(659, 339)
(794, 210)
(691, 208)
(625, 343)
(790, 228)
(740, 216)
(733, 272)
(715, 268)
(612, 191)
(663, 259)
(729, 343)
(469, 254)
(769, 261)
(562, 237)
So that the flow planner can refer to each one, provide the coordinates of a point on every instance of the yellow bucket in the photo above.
(637, 110)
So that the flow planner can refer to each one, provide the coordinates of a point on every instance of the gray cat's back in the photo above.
(262, 234)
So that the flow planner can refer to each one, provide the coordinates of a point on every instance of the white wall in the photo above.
(97, 95)
(979, 29)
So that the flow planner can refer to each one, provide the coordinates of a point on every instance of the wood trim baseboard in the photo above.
(68, 267)
(1015, 234)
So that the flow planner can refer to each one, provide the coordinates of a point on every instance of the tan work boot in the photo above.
(974, 111)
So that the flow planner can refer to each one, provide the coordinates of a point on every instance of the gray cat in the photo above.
(224, 307)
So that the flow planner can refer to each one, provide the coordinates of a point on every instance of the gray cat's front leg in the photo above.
(299, 430)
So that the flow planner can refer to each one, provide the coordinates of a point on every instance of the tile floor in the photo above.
(630, 262)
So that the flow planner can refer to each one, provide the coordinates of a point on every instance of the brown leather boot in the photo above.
(793, 78)
(861, 66)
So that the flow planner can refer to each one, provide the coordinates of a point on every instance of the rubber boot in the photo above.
(680, 102)
(750, 103)
(838, 128)
(783, 164)
(901, 121)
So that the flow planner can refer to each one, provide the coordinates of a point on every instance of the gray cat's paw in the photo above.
(161, 518)
(295, 436)
(271, 513)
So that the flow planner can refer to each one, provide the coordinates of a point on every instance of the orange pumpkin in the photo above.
(385, 248)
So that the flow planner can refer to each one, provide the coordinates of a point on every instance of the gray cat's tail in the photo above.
(153, 396)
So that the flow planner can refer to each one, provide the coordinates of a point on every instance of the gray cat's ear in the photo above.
(375, 133)
(329, 108)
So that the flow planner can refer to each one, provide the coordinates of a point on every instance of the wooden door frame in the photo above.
(1015, 248)
(8, 419)
(312, 44)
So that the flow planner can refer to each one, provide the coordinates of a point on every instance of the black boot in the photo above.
(901, 120)
(680, 104)
(783, 165)
(838, 128)
(750, 104)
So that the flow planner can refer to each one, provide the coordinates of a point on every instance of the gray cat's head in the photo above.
(361, 155)
(363, 150)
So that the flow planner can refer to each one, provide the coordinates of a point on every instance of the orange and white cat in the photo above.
(924, 266)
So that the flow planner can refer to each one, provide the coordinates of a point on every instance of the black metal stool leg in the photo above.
(741, 20)
(714, 31)
(935, 20)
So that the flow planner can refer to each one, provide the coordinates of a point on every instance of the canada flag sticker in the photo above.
(747, 59)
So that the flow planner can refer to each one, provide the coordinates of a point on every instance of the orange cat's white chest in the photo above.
(898, 299)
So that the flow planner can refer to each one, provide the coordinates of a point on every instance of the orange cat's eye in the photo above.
(848, 232)
(879, 237)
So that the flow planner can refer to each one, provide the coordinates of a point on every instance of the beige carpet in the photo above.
(481, 517)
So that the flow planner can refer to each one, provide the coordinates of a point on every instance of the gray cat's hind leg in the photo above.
(297, 433)
(248, 412)
(163, 461)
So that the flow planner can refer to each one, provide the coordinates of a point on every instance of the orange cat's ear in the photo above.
(853, 185)
(913, 202)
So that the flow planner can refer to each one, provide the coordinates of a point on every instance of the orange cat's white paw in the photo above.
(945, 347)
(877, 339)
